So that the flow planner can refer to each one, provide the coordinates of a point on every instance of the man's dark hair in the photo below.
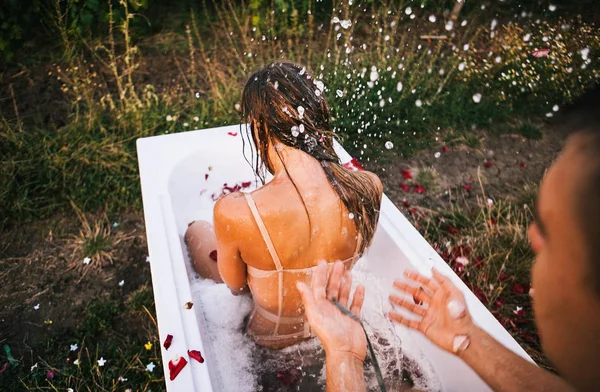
(582, 119)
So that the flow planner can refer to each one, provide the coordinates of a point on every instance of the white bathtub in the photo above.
(175, 191)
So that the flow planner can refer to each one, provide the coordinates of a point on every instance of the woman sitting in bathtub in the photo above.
(313, 209)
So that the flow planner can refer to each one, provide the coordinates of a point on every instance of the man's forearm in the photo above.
(344, 373)
(504, 370)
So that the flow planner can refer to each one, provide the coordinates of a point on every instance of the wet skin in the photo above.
(567, 309)
(331, 235)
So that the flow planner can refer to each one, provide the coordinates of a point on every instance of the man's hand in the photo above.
(442, 314)
(339, 334)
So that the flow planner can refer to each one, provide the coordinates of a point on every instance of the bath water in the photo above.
(238, 364)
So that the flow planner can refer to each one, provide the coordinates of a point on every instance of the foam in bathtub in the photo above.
(175, 191)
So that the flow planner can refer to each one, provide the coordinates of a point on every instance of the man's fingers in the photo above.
(319, 280)
(345, 289)
(407, 304)
(357, 301)
(432, 285)
(441, 279)
(335, 281)
(417, 292)
(412, 324)
(307, 298)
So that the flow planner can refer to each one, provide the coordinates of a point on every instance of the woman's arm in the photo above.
(231, 266)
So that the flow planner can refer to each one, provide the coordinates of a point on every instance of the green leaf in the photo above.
(11, 359)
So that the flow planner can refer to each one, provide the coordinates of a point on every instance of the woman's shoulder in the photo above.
(230, 207)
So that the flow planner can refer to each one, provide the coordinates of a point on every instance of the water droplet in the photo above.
(351, 215)
(432, 18)
(408, 11)
(374, 75)
(295, 131)
(419, 103)
(437, 154)
(389, 145)
(301, 112)
(584, 53)
(555, 108)
(399, 86)
(494, 24)
(552, 7)
(477, 98)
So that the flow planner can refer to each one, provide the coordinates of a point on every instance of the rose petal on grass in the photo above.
(488, 164)
(176, 365)
(406, 174)
(419, 188)
(3, 368)
(404, 187)
(540, 53)
(446, 148)
(452, 230)
(195, 354)
(406, 204)
(50, 375)
(467, 187)
(168, 341)
(213, 255)
(523, 164)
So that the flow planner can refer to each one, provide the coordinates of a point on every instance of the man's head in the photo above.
(566, 239)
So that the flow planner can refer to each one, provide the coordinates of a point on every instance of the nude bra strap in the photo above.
(263, 231)
(274, 256)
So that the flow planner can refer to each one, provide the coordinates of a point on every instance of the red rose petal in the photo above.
(206, 177)
(446, 148)
(523, 164)
(518, 289)
(488, 164)
(213, 255)
(404, 187)
(196, 355)
(246, 184)
(407, 174)
(467, 187)
(168, 341)
(353, 165)
(419, 188)
(452, 230)
(289, 378)
(406, 204)
(49, 374)
(232, 133)
(175, 366)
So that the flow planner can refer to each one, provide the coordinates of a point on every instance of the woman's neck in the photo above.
(279, 154)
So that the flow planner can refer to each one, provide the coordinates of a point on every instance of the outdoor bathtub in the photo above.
(175, 192)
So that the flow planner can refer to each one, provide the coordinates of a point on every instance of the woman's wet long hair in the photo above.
(283, 102)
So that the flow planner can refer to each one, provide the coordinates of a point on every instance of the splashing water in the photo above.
(301, 112)
(408, 11)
